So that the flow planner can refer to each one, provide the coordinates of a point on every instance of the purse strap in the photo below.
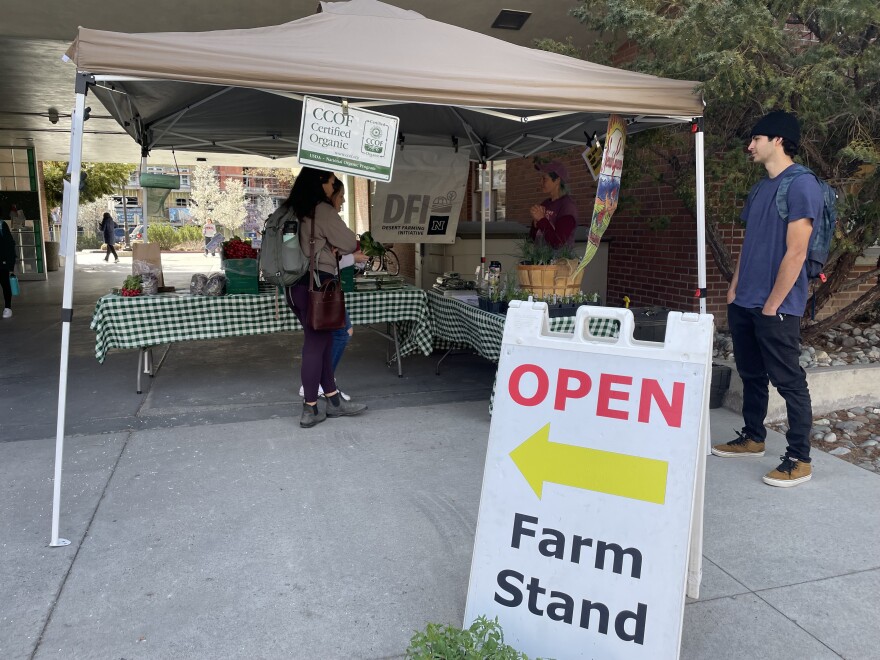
(312, 274)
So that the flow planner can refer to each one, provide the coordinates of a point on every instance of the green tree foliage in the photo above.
(100, 179)
(819, 60)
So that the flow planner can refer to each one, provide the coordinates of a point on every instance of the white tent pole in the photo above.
(68, 228)
(486, 209)
(701, 214)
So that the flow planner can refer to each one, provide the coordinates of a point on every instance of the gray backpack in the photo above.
(282, 261)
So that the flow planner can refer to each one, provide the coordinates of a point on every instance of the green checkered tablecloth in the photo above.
(459, 325)
(144, 321)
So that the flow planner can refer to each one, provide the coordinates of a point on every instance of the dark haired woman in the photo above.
(554, 219)
(108, 227)
(309, 199)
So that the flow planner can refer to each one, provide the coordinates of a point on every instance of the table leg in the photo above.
(144, 365)
(397, 351)
(437, 368)
(396, 355)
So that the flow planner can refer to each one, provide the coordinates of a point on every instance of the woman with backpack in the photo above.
(108, 227)
(309, 201)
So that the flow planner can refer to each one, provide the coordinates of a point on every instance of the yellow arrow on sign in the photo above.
(634, 477)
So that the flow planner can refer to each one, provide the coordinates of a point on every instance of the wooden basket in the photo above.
(553, 279)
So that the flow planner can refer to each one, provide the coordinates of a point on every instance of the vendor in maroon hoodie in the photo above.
(555, 218)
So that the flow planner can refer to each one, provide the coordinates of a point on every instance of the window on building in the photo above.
(498, 196)
(184, 180)
(181, 202)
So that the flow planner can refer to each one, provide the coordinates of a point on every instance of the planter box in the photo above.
(554, 279)
(650, 323)
(566, 309)
(719, 385)
(494, 307)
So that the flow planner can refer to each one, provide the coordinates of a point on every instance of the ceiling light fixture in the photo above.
(511, 19)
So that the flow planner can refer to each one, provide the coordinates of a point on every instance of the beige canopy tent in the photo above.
(241, 91)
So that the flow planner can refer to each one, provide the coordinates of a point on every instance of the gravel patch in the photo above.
(852, 435)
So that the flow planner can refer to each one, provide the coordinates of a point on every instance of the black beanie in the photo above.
(779, 124)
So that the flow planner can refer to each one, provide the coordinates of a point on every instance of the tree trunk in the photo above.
(859, 305)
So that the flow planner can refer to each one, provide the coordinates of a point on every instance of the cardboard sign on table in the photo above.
(147, 256)
(582, 540)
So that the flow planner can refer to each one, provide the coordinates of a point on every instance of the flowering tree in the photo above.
(90, 213)
(230, 212)
(819, 60)
(226, 207)
(204, 193)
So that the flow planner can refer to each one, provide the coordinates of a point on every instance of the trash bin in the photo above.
(52, 250)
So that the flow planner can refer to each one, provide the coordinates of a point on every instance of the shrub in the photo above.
(89, 241)
(163, 234)
(484, 639)
(190, 233)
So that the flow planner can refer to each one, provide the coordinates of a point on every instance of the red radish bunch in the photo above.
(235, 248)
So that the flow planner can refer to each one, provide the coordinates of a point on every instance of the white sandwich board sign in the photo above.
(347, 139)
(581, 548)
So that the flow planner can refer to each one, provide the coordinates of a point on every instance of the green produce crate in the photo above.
(240, 266)
(241, 276)
(346, 278)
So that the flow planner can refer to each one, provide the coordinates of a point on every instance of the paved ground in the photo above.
(204, 523)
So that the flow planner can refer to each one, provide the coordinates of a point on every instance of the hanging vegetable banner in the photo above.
(608, 190)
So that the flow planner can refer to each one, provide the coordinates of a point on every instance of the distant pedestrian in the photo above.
(108, 226)
(767, 297)
(7, 266)
(209, 230)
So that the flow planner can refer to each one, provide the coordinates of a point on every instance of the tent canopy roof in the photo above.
(240, 90)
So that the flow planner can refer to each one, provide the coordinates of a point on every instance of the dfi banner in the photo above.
(424, 201)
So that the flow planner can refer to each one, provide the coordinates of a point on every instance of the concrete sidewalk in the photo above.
(204, 523)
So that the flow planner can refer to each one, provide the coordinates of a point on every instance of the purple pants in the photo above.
(317, 351)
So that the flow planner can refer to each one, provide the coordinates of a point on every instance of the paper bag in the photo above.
(147, 258)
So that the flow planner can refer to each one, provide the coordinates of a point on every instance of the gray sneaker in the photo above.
(311, 415)
(345, 408)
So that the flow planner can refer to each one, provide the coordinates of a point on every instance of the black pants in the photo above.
(766, 349)
(7, 288)
(111, 249)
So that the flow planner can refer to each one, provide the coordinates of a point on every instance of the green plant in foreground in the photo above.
(484, 639)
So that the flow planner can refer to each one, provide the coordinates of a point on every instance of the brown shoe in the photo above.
(742, 447)
(790, 472)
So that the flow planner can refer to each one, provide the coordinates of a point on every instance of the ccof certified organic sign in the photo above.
(352, 140)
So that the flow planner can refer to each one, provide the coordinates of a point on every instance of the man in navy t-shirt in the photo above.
(767, 297)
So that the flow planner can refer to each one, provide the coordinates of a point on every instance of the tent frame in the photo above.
(71, 207)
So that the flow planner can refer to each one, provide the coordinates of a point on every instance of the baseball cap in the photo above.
(779, 124)
(554, 167)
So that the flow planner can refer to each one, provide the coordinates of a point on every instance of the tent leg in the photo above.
(700, 161)
(68, 229)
